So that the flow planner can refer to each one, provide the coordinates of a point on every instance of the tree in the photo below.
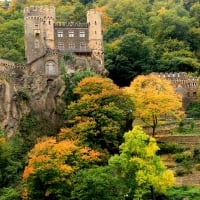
(140, 166)
(129, 57)
(98, 183)
(51, 165)
(100, 116)
(154, 99)
(10, 162)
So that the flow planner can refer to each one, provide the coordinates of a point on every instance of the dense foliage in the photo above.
(78, 162)
(140, 37)
(148, 36)
(100, 116)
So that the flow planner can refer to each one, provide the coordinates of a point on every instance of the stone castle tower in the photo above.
(95, 33)
(39, 31)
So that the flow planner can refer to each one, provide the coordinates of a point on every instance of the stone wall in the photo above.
(185, 85)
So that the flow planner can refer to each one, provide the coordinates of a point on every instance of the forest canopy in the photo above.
(139, 36)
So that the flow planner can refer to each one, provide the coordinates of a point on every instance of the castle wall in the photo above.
(72, 37)
(184, 85)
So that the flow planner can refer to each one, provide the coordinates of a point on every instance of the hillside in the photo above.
(140, 37)
(69, 132)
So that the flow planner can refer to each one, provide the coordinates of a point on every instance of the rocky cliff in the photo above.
(23, 90)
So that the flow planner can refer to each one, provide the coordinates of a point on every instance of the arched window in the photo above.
(50, 68)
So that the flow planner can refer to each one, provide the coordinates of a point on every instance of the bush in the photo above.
(193, 110)
(197, 167)
(180, 172)
(185, 156)
(166, 148)
(9, 194)
(23, 95)
(196, 154)
(179, 193)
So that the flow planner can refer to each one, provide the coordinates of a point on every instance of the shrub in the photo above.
(9, 194)
(166, 148)
(185, 156)
(181, 171)
(21, 94)
(196, 154)
(179, 193)
(197, 167)
(193, 110)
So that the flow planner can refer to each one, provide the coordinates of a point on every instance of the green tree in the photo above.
(100, 116)
(140, 166)
(98, 183)
(10, 163)
(130, 56)
(12, 43)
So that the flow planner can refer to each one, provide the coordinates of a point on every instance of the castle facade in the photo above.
(45, 36)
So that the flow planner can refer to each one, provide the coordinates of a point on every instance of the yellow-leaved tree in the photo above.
(140, 167)
(154, 99)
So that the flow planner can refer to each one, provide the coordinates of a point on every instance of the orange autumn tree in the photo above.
(100, 116)
(154, 99)
(50, 167)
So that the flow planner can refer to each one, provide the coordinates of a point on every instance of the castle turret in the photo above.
(95, 34)
(39, 31)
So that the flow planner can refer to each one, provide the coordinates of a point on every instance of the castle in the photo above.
(37, 85)
(185, 85)
(45, 38)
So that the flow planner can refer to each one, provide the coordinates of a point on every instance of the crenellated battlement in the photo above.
(8, 69)
(181, 78)
(185, 85)
(42, 11)
(93, 11)
(70, 25)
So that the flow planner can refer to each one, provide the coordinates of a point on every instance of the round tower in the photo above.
(95, 34)
(39, 31)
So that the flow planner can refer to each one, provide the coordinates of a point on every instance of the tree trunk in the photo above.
(153, 197)
(155, 122)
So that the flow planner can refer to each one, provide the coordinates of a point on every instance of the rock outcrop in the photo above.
(24, 89)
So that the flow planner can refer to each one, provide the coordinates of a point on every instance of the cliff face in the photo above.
(26, 88)
(22, 91)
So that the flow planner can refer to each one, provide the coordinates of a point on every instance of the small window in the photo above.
(71, 33)
(71, 45)
(50, 68)
(60, 34)
(194, 94)
(61, 46)
(82, 45)
(36, 26)
(82, 34)
(37, 45)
